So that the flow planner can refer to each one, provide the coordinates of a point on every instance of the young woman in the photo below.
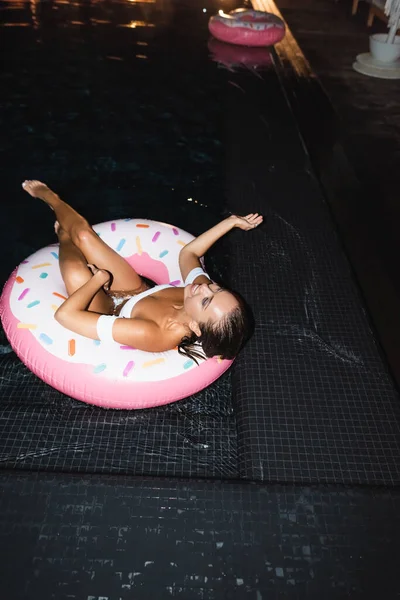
(151, 319)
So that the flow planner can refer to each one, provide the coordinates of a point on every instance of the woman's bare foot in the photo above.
(37, 189)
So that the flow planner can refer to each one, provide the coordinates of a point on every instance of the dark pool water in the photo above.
(118, 106)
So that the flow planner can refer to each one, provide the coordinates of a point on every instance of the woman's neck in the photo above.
(181, 318)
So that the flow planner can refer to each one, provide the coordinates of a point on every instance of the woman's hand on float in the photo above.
(248, 222)
(101, 275)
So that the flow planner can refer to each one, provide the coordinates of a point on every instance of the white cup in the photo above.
(383, 51)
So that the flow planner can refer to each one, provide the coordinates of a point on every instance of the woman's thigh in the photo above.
(97, 252)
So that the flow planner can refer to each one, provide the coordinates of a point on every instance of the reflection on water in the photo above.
(117, 105)
(134, 24)
(288, 49)
(33, 7)
(25, 13)
(123, 122)
(233, 57)
(148, 13)
(32, 13)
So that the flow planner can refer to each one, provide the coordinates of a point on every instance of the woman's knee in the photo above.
(82, 234)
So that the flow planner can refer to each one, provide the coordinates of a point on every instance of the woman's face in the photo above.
(208, 302)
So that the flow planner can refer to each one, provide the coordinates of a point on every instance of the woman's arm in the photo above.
(73, 313)
(138, 333)
(189, 255)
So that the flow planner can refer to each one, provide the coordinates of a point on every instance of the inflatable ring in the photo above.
(247, 27)
(104, 374)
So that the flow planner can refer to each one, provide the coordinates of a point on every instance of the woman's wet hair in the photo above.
(225, 338)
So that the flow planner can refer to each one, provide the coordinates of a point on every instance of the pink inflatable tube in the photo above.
(105, 374)
(247, 27)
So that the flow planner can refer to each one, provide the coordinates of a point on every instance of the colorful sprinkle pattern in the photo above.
(24, 293)
(38, 291)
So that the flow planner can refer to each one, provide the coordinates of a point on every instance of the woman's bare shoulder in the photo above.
(144, 334)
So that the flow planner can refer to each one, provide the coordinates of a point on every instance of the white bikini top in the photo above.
(105, 322)
(126, 310)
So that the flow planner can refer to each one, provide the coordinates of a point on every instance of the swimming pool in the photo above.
(119, 108)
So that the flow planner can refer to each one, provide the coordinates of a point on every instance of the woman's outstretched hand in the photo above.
(103, 276)
(248, 222)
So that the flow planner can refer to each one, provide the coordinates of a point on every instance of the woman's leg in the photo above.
(75, 272)
(87, 241)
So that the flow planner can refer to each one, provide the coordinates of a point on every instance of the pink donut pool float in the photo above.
(247, 27)
(105, 374)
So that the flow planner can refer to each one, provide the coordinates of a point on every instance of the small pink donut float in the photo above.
(106, 374)
(247, 27)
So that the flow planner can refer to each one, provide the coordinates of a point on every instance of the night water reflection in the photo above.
(118, 107)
